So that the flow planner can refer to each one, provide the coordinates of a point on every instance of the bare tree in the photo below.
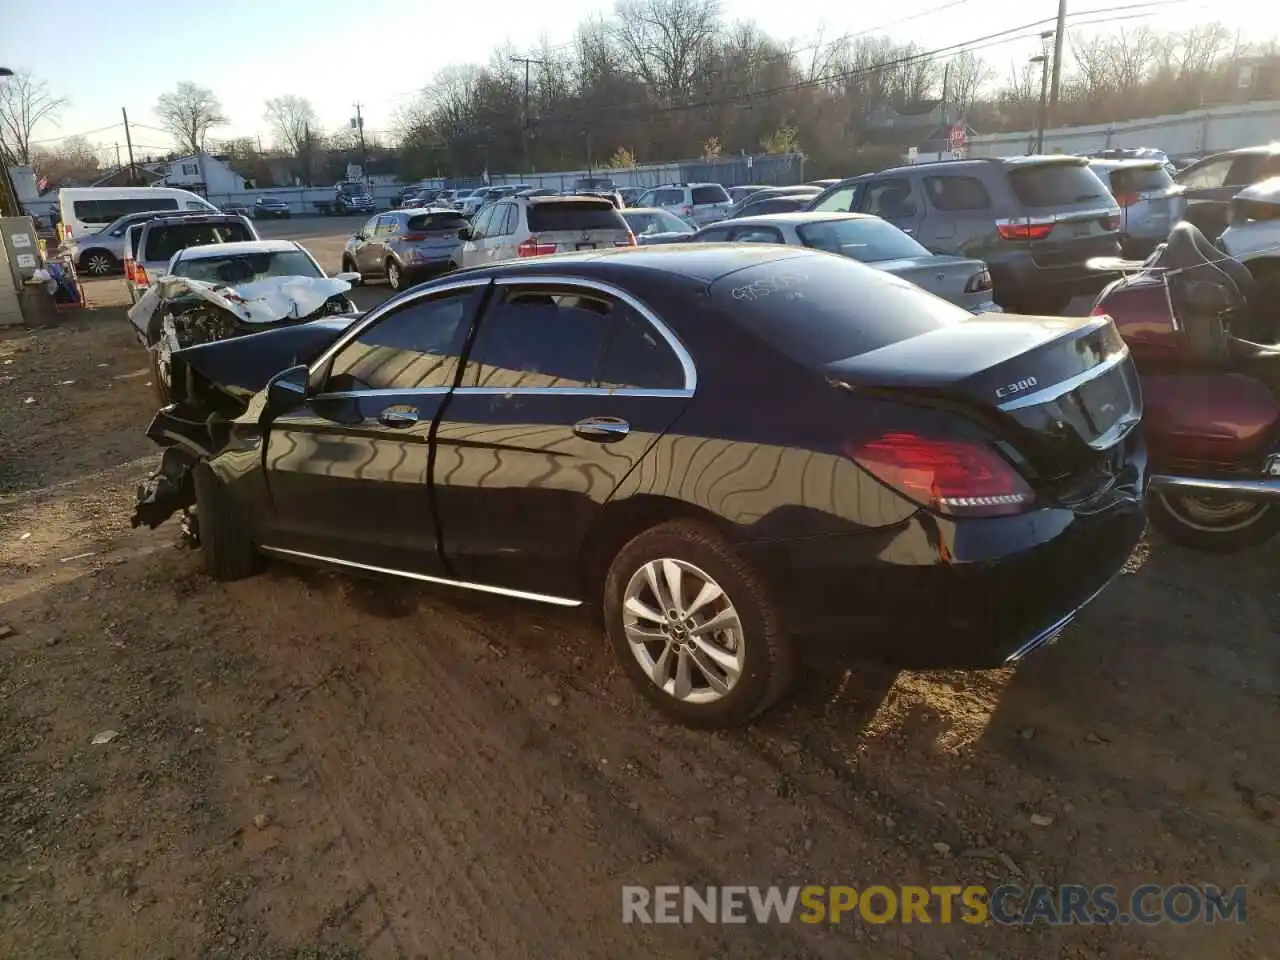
(25, 102)
(293, 123)
(966, 75)
(668, 43)
(73, 161)
(189, 112)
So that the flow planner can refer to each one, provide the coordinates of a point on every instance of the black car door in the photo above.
(348, 471)
(566, 387)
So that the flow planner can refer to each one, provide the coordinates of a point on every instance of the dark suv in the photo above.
(1034, 220)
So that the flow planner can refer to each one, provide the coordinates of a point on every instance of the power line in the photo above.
(997, 38)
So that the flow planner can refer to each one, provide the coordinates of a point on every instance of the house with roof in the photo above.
(141, 175)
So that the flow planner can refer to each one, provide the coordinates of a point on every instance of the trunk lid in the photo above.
(942, 276)
(1064, 386)
(576, 224)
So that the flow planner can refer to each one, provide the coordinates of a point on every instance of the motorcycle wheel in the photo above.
(1214, 523)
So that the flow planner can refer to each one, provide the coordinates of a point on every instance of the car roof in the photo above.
(700, 262)
(792, 217)
(241, 248)
(1127, 163)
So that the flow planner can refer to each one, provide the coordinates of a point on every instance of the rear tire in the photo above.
(348, 265)
(98, 263)
(229, 553)
(753, 645)
(1213, 524)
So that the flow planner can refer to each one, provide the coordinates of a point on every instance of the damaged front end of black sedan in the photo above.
(219, 409)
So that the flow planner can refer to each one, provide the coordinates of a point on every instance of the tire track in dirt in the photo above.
(482, 828)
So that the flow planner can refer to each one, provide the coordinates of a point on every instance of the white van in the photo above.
(86, 210)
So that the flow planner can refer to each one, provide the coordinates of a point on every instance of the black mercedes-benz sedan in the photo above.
(733, 451)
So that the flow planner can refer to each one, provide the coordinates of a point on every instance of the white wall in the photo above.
(1198, 131)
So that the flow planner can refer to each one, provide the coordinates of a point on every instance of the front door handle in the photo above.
(398, 417)
(602, 429)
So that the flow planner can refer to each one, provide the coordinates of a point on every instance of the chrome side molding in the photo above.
(422, 577)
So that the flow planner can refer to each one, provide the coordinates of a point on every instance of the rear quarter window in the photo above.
(957, 193)
(1140, 179)
(818, 309)
(1056, 185)
(575, 215)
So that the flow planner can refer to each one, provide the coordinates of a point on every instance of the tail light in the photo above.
(1024, 228)
(959, 478)
(629, 242)
(136, 273)
(533, 248)
(413, 237)
(979, 282)
(1127, 199)
(1100, 311)
(1111, 221)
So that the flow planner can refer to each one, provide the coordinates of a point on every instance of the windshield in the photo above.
(352, 189)
(817, 310)
(654, 221)
(869, 240)
(248, 268)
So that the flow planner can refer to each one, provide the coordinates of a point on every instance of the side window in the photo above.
(636, 356)
(480, 224)
(535, 338)
(956, 193)
(416, 346)
(370, 226)
(713, 235)
(890, 199)
(193, 205)
(1208, 176)
(504, 221)
(757, 235)
(1245, 170)
(384, 226)
(841, 200)
(670, 198)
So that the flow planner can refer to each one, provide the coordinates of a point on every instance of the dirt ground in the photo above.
(307, 766)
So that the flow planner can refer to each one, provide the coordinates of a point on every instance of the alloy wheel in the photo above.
(393, 276)
(683, 630)
(97, 264)
(1214, 513)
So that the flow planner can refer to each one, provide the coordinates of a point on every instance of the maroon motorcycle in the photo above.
(1204, 346)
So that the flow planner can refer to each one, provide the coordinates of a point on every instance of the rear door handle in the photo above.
(398, 417)
(602, 429)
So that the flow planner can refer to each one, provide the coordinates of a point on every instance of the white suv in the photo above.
(536, 226)
(696, 203)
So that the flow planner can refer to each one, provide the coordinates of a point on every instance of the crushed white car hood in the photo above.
(263, 302)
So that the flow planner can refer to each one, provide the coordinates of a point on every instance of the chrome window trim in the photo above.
(425, 578)
(1063, 387)
(382, 309)
(609, 289)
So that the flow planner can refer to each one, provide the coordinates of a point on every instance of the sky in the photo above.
(382, 52)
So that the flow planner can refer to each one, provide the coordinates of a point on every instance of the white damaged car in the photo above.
(228, 290)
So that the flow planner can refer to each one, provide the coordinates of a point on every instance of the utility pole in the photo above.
(524, 130)
(358, 123)
(128, 139)
(946, 113)
(1059, 36)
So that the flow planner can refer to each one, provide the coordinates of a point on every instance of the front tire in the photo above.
(395, 276)
(229, 553)
(1213, 523)
(348, 265)
(694, 628)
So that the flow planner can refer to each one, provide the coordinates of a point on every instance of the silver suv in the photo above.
(696, 203)
(538, 226)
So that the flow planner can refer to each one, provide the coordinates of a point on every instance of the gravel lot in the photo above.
(311, 766)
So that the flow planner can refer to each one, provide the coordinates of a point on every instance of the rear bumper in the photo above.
(1017, 272)
(944, 594)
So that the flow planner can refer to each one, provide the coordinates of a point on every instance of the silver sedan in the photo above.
(870, 240)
